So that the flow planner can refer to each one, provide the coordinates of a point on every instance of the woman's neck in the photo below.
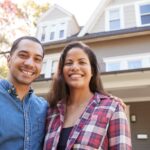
(78, 96)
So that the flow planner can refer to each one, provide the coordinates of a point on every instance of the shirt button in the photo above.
(27, 138)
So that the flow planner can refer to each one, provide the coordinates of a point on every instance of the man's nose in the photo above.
(29, 62)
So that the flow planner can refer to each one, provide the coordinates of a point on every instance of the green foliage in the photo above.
(33, 11)
(18, 20)
(3, 71)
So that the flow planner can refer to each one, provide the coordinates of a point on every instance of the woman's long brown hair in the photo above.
(59, 89)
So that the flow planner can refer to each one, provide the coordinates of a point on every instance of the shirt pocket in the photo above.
(93, 132)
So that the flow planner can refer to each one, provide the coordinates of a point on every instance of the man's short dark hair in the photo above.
(17, 41)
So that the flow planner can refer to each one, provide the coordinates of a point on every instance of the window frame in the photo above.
(138, 13)
(123, 60)
(61, 34)
(52, 36)
(107, 17)
(43, 35)
(49, 61)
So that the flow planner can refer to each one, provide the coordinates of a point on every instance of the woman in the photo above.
(82, 115)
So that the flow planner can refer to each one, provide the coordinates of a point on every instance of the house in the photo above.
(119, 34)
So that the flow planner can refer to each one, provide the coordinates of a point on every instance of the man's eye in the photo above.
(23, 56)
(38, 60)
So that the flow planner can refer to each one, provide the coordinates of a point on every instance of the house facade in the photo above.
(119, 34)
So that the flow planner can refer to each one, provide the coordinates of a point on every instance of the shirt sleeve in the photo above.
(49, 112)
(119, 131)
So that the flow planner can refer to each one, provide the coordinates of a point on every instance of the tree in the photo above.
(18, 19)
(3, 71)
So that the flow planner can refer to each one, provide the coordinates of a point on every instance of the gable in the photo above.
(56, 24)
(93, 19)
(103, 17)
(54, 13)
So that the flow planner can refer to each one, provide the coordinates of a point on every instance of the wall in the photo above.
(119, 47)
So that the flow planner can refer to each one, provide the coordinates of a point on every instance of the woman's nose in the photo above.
(75, 66)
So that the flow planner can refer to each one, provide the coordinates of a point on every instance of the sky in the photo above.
(81, 9)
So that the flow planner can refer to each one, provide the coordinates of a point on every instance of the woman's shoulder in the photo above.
(108, 100)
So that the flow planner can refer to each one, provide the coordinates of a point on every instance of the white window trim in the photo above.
(55, 26)
(49, 60)
(128, 114)
(121, 13)
(124, 60)
(53, 35)
(137, 12)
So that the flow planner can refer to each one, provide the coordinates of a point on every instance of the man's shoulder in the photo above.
(39, 100)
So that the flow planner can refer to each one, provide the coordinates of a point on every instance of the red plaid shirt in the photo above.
(102, 126)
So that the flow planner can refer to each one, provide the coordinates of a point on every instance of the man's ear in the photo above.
(8, 60)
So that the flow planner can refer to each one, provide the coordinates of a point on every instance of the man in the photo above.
(22, 113)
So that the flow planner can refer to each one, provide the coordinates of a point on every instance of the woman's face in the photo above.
(77, 69)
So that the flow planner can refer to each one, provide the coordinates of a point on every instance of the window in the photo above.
(50, 63)
(43, 67)
(133, 64)
(114, 19)
(61, 34)
(42, 74)
(43, 33)
(54, 66)
(145, 14)
(113, 66)
(127, 62)
(52, 35)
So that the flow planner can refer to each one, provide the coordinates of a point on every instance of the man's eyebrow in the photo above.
(24, 51)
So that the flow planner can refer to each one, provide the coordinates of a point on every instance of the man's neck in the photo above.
(22, 92)
(21, 89)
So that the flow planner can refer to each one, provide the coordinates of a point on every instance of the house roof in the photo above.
(59, 8)
(101, 36)
(94, 17)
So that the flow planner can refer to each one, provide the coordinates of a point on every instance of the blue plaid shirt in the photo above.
(22, 123)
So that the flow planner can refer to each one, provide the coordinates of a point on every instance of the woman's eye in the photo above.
(68, 63)
(82, 62)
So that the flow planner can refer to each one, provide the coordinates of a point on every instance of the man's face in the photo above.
(25, 63)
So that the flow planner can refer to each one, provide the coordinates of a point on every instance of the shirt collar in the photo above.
(96, 98)
(9, 87)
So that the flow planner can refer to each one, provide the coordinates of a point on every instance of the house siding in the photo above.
(129, 16)
(120, 2)
(55, 14)
(100, 25)
(120, 47)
